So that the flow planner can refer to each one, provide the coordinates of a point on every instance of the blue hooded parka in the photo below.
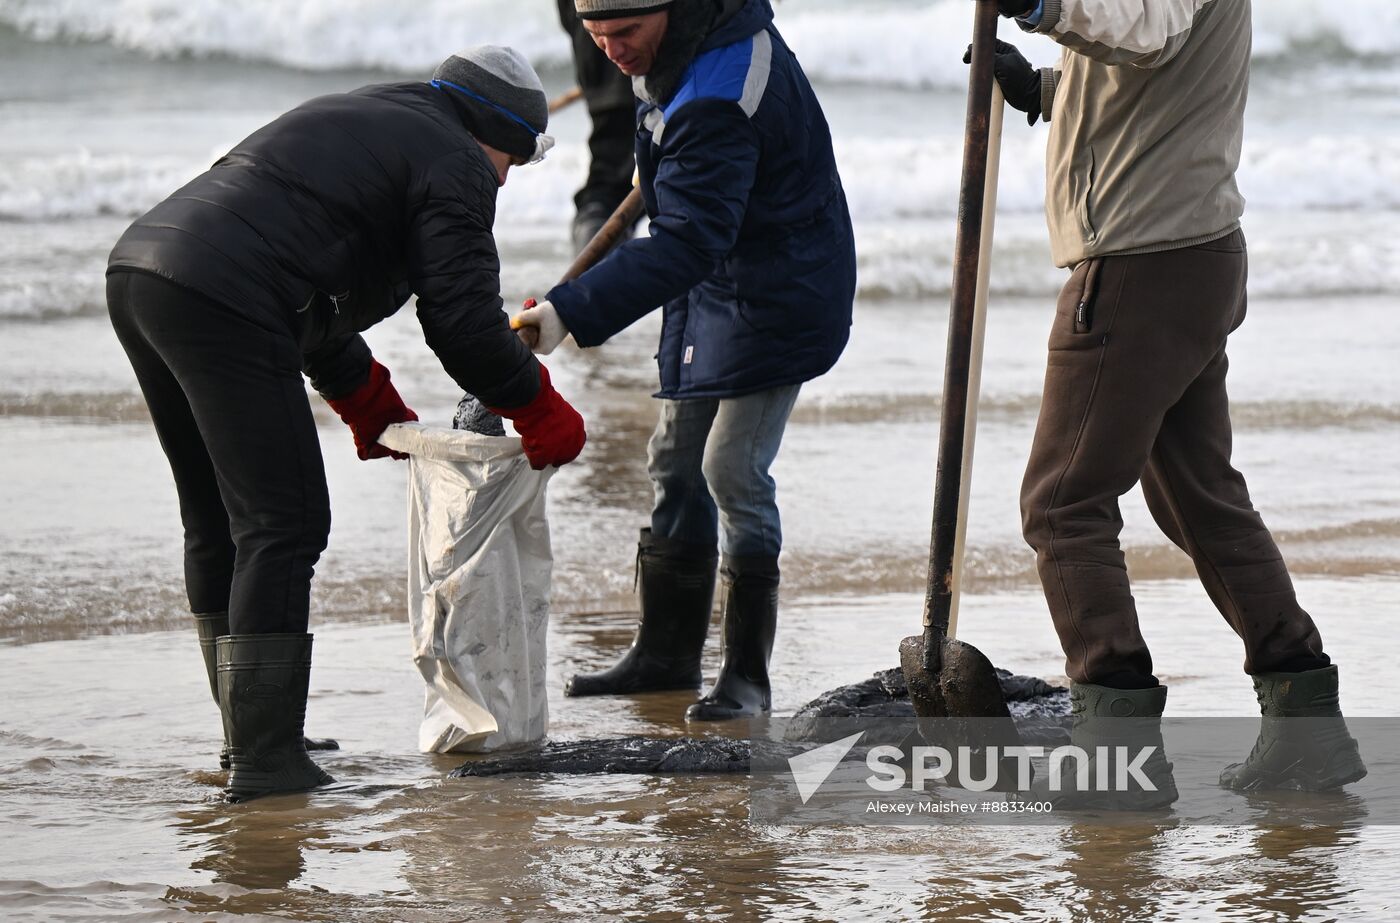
(751, 250)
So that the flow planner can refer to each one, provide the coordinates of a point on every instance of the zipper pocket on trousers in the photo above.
(1084, 310)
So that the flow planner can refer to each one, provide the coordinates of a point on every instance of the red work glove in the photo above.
(369, 409)
(551, 430)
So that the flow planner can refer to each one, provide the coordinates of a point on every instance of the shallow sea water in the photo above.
(109, 803)
(111, 812)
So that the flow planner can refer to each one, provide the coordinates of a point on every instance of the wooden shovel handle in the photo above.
(938, 598)
(613, 232)
(979, 331)
(567, 98)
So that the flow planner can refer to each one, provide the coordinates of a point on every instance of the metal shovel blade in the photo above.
(965, 686)
(963, 691)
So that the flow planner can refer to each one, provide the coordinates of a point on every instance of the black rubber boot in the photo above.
(263, 681)
(211, 626)
(1113, 726)
(678, 591)
(1303, 741)
(214, 625)
(750, 620)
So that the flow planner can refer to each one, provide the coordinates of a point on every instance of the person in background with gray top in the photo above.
(314, 228)
(1146, 113)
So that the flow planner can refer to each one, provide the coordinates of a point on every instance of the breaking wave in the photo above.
(1362, 173)
(912, 43)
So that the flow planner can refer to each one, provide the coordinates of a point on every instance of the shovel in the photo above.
(949, 678)
(565, 99)
(614, 231)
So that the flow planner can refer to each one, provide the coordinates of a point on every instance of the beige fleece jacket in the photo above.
(1146, 115)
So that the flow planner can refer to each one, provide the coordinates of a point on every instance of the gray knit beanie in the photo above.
(617, 9)
(501, 97)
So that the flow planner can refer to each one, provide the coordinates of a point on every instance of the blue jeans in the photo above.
(709, 460)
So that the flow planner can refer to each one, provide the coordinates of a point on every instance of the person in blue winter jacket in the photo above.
(751, 254)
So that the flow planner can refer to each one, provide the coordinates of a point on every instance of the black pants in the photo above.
(229, 406)
(612, 107)
(1135, 391)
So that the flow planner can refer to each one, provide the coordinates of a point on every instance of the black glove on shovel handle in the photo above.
(1019, 81)
(1013, 8)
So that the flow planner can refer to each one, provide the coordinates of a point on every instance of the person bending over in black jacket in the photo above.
(268, 266)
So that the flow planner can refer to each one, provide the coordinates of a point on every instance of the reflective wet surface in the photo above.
(109, 796)
(109, 805)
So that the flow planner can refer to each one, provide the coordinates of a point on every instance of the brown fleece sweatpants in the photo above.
(1135, 390)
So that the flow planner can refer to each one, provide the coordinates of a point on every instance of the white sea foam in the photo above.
(1323, 192)
(83, 184)
(311, 34)
(1362, 174)
(901, 42)
(1312, 231)
(1292, 255)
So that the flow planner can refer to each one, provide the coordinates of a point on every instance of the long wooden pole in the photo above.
(567, 98)
(948, 483)
(613, 232)
(979, 333)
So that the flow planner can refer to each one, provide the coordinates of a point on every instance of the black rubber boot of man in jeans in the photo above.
(750, 617)
(677, 593)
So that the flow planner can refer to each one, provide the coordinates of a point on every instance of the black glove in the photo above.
(1010, 8)
(1020, 83)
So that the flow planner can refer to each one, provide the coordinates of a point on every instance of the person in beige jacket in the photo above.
(1146, 113)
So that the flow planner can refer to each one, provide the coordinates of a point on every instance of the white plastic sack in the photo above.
(479, 566)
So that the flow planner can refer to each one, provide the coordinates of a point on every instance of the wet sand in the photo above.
(111, 811)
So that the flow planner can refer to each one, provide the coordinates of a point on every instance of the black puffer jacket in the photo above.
(323, 222)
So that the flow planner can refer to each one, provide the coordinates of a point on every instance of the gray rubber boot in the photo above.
(750, 616)
(1303, 741)
(678, 592)
(214, 625)
(263, 682)
(1113, 725)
